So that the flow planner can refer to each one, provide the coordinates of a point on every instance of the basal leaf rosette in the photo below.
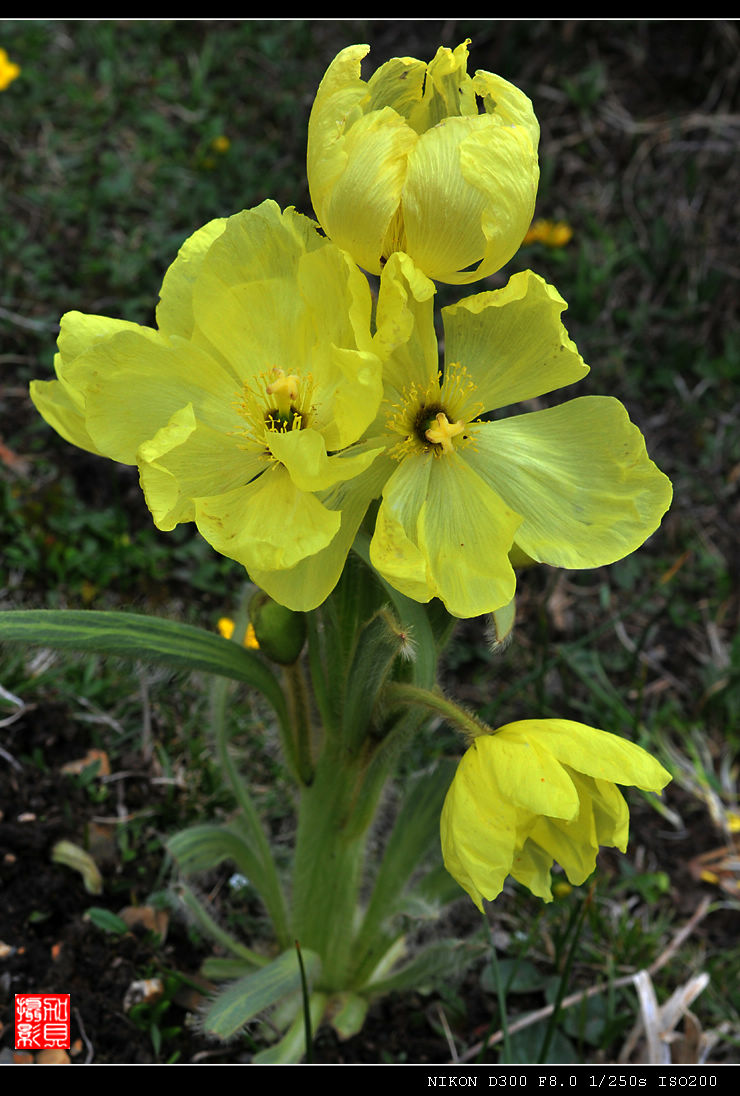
(424, 159)
(536, 792)
(243, 407)
(569, 485)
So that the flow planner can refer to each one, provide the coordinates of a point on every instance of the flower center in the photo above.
(443, 431)
(434, 419)
(275, 401)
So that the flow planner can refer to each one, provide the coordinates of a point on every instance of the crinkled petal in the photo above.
(469, 197)
(507, 102)
(465, 531)
(188, 459)
(60, 408)
(303, 453)
(526, 773)
(309, 583)
(268, 524)
(512, 342)
(245, 299)
(571, 844)
(448, 89)
(338, 96)
(375, 150)
(135, 380)
(394, 550)
(580, 477)
(399, 83)
(531, 867)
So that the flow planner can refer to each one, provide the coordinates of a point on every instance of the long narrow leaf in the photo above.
(242, 1000)
(134, 635)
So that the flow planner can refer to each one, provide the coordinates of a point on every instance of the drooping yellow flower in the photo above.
(535, 792)
(569, 485)
(406, 162)
(240, 406)
(9, 70)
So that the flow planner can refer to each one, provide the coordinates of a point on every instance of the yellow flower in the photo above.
(405, 162)
(569, 485)
(226, 629)
(8, 70)
(550, 233)
(240, 406)
(538, 791)
(221, 144)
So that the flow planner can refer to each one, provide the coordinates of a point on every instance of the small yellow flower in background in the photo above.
(408, 162)
(536, 792)
(550, 233)
(9, 70)
(571, 485)
(221, 144)
(241, 407)
(226, 629)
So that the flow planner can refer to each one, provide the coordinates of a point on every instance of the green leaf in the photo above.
(201, 848)
(242, 1000)
(350, 1016)
(224, 970)
(414, 833)
(431, 968)
(133, 635)
(107, 920)
(292, 1047)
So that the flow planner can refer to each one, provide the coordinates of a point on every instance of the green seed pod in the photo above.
(280, 632)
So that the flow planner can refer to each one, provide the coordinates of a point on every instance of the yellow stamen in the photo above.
(443, 433)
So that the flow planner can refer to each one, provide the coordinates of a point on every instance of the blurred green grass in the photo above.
(119, 138)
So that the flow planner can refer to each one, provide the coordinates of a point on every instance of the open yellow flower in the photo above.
(240, 406)
(535, 792)
(406, 162)
(569, 485)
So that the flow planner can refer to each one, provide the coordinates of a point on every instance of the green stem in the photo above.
(300, 709)
(329, 857)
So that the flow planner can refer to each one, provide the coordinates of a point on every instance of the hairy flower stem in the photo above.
(402, 694)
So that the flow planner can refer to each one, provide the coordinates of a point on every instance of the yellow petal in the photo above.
(375, 152)
(469, 197)
(175, 308)
(53, 402)
(580, 477)
(596, 753)
(303, 453)
(268, 524)
(512, 341)
(308, 584)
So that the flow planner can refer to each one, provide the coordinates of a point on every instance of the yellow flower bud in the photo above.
(424, 159)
